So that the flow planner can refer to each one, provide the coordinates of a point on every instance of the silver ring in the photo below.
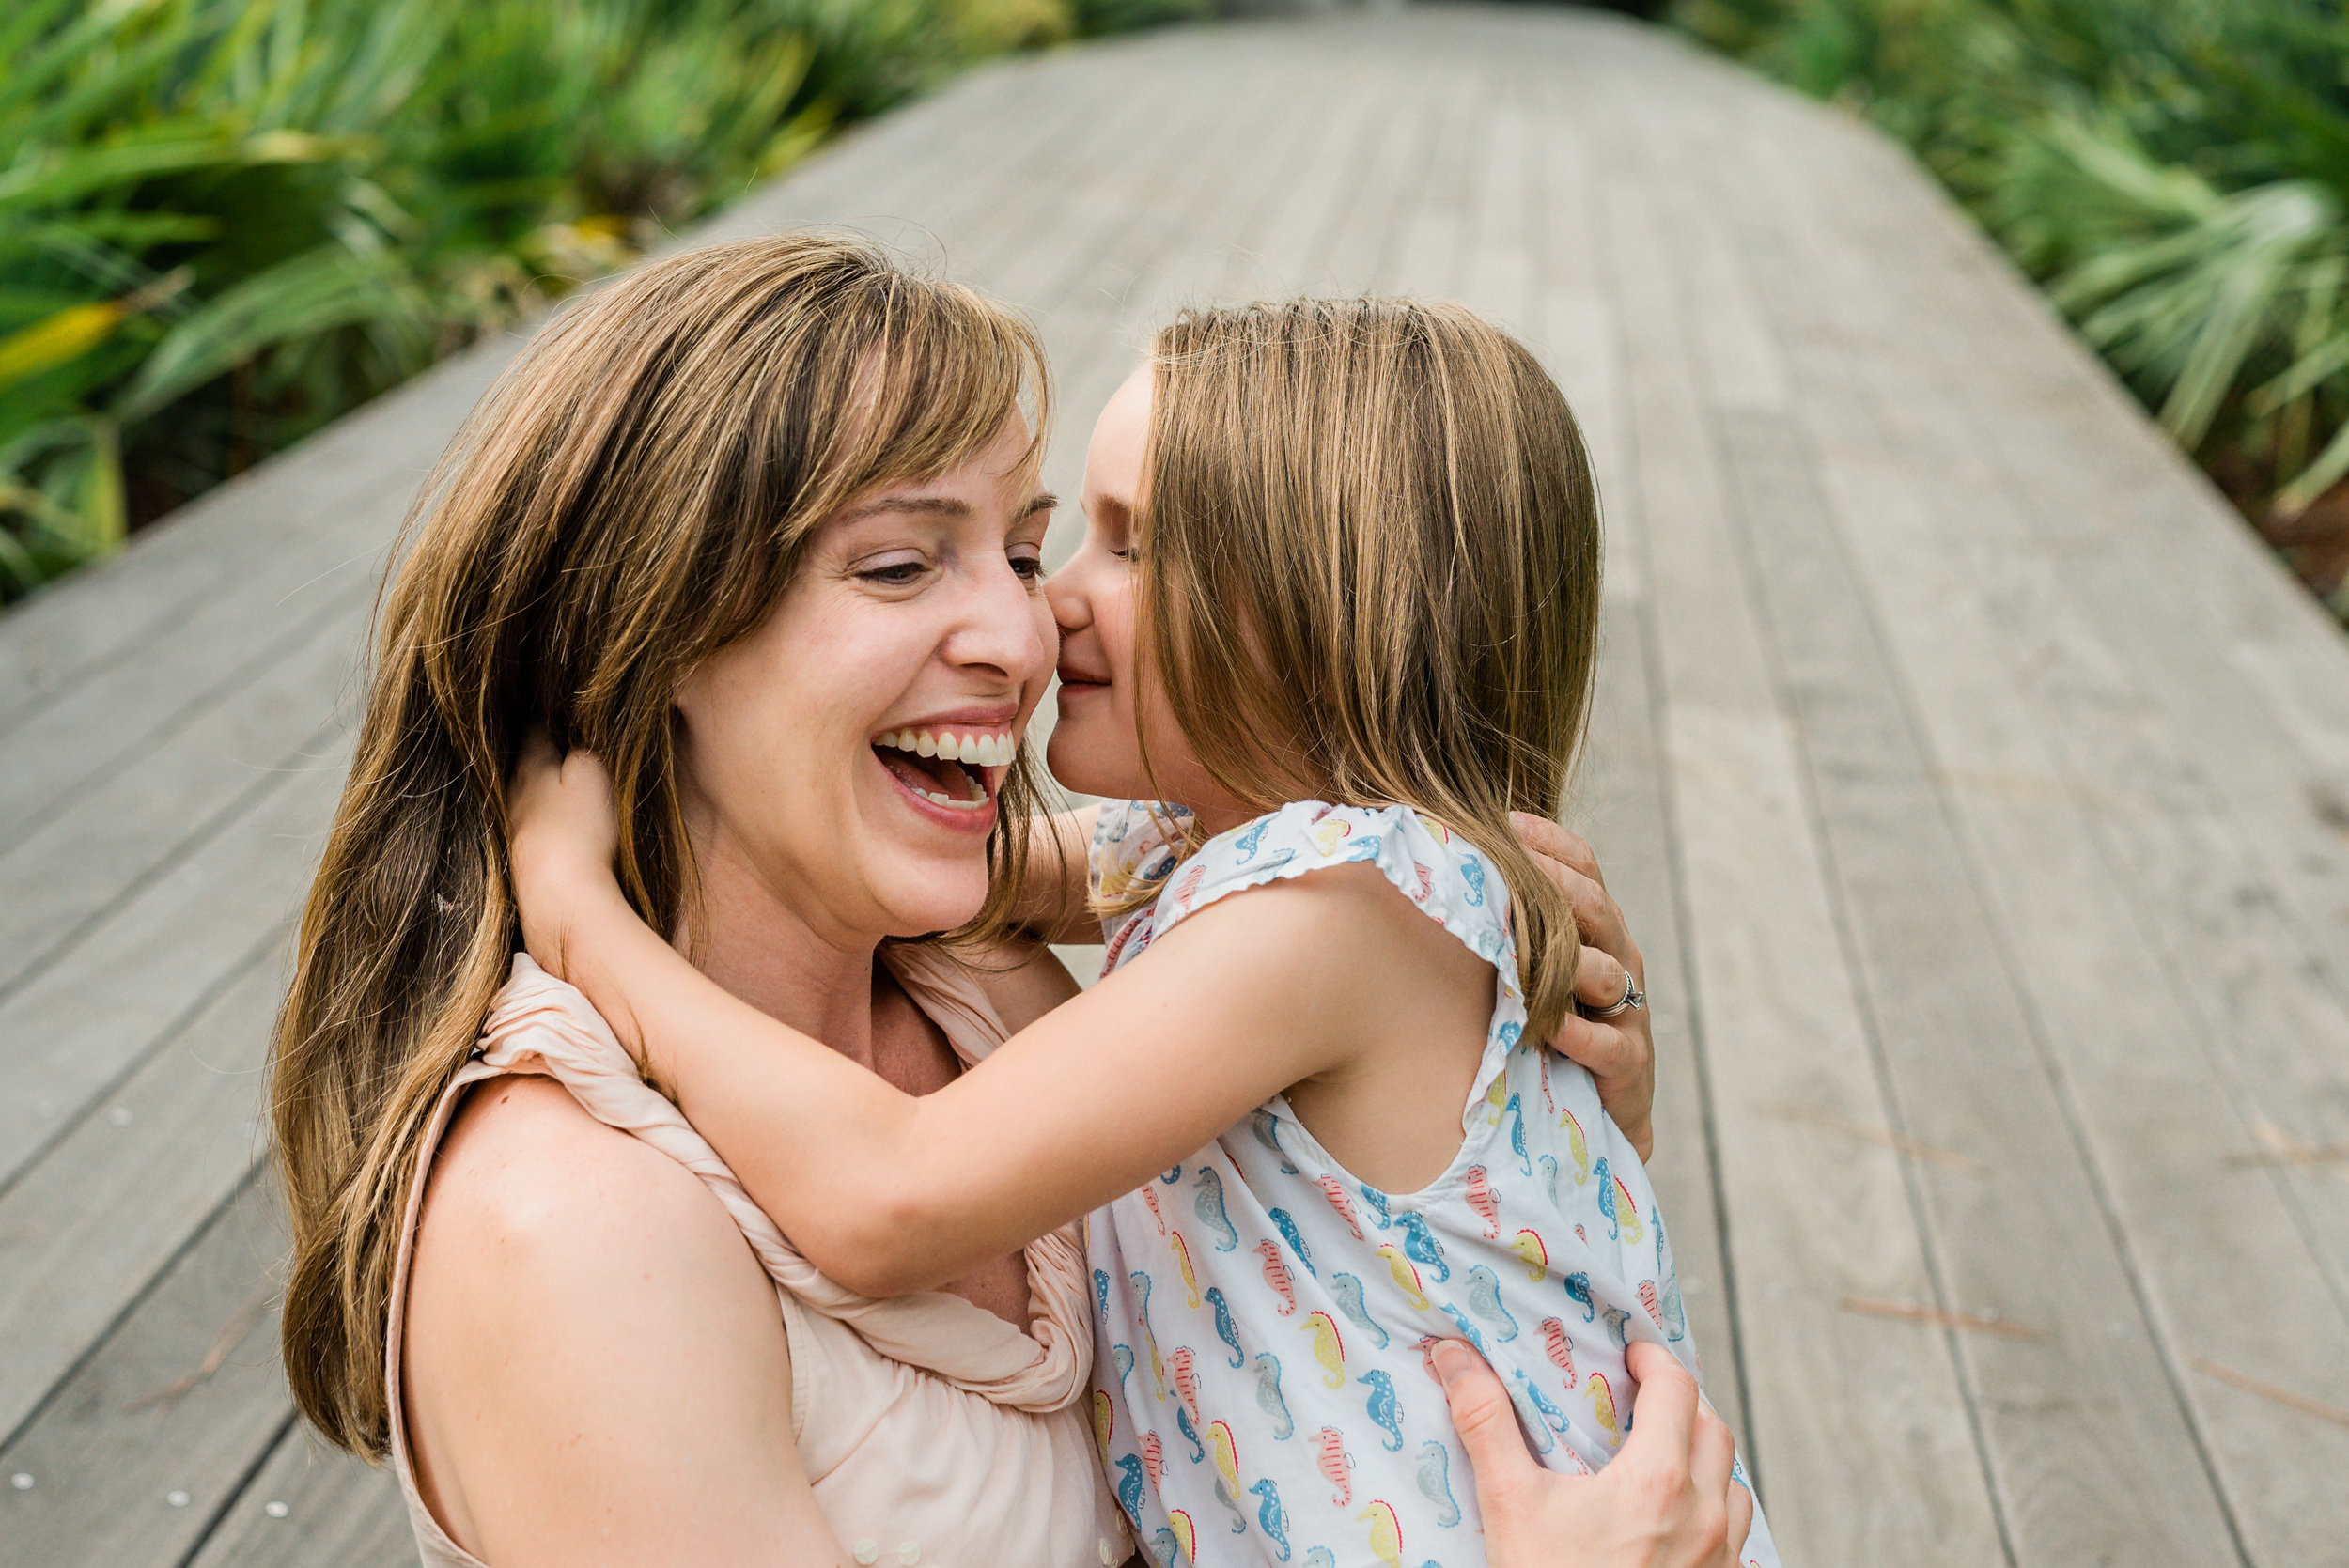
(1633, 998)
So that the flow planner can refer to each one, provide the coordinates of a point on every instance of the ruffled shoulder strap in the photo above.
(538, 1024)
(1437, 869)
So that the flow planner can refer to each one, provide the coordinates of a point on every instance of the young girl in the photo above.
(1338, 596)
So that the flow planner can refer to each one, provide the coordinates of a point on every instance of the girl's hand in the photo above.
(1619, 1051)
(563, 831)
(1665, 1500)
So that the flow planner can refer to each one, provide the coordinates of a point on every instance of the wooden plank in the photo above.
(158, 1430)
(1861, 1437)
(312, 1507)
(2230, 1276)
(133, 982)
(86, 1228)
(118, 832)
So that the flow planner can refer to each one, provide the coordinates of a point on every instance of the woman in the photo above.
(536, 1296)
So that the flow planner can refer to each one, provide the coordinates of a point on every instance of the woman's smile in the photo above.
(949, 767)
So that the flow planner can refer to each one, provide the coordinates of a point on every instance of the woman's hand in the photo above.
(563, 831)
(1665, 1500)
(1619, 1051)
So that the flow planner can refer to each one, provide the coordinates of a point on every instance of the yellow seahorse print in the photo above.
(1328, 1349)
(1104, 1422)
(1497, 1097)
(1226, 1455)
(1628, 1215)
(1182, 1261)
(1576, 1143)
(1327, 836)
(1186, 1534)
(1405, 1274)
(1386, 1535)
(1528, 1247)
(1603, 1405)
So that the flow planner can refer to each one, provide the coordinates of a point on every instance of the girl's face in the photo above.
(847, 755)
(1106, 708)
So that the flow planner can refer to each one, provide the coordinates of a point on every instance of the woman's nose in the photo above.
(999, 628)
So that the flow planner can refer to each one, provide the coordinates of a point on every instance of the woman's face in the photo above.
(846, 754)
(1105, 709)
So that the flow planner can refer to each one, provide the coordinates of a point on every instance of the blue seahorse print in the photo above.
(1102, 1292)
(1676, 1310)
(1251, 841)
(1385, 1408)
(1319, 1556)
(1550, 1180)
(1191, 1435)
(1287, 1227)
(1224, 1328)
(1468, 1331)
(1540, 1401)
(1170, 1551)
(1579, 1287)
(1606, 1179)
(1363, 848)
(1348, 1291)
(1421, 1246)
(1268, 1394)
(1472, 872)
(1484, 1302)
(1124, 1356)
(1377, 1202)
(1435, 1482)
(1129, 1485)
(1514, 1111)
(1268, 1129)
(1210, 1206)
(1270, 1517)
(1523, 1395)
(1173, 1177)
(1619, 1328)
(1509, 1033)
(1277, 862)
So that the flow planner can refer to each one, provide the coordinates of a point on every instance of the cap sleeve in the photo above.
(1441, 872)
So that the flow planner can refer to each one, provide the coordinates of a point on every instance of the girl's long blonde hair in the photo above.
(1369, 543)
(633, 495)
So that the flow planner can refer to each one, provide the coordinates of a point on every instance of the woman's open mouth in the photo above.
(958, 769)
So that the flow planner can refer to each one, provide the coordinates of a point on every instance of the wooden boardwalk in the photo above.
(1977, 785)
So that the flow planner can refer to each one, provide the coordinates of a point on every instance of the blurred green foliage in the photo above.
(2176, 172)
(224, 221)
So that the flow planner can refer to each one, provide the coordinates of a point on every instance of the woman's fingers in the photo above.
(1664, 1404)
(1598, 978)
(1545, 837)
(1741, 1520)
(1487, 1426)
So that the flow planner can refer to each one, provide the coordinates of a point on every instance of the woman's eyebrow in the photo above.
(1043, 500)
(930, 506)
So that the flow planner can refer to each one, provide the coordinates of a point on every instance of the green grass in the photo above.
(2176, 175)
(223, 222)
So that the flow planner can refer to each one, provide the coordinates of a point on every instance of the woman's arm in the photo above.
(1665, 1500)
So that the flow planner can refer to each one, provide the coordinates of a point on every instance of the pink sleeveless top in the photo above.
(935, 1433)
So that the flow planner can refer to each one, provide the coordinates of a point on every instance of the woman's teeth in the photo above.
(986, 751)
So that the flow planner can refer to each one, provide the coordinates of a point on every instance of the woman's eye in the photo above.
(1029, 568)
(897, 574)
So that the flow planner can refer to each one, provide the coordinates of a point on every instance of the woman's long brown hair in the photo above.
(631, 496)
(1371, 551)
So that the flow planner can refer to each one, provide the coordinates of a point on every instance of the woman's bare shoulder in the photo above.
(576, 1291)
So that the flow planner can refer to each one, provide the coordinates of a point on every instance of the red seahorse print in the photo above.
(1276, 1274)
(1548, 1103)
(1481, 1198)
(1647, 1299)
(1426, 883)
(1150, 1196)
(1189, 884)
(1184, 1373)
(1153, 1456)
(1561, 1348)
(1335, 1189)
(1336, 1465)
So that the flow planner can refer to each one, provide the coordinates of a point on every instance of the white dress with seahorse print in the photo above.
(1263, 1393)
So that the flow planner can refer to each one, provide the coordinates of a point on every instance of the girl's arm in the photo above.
(890, 1192)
